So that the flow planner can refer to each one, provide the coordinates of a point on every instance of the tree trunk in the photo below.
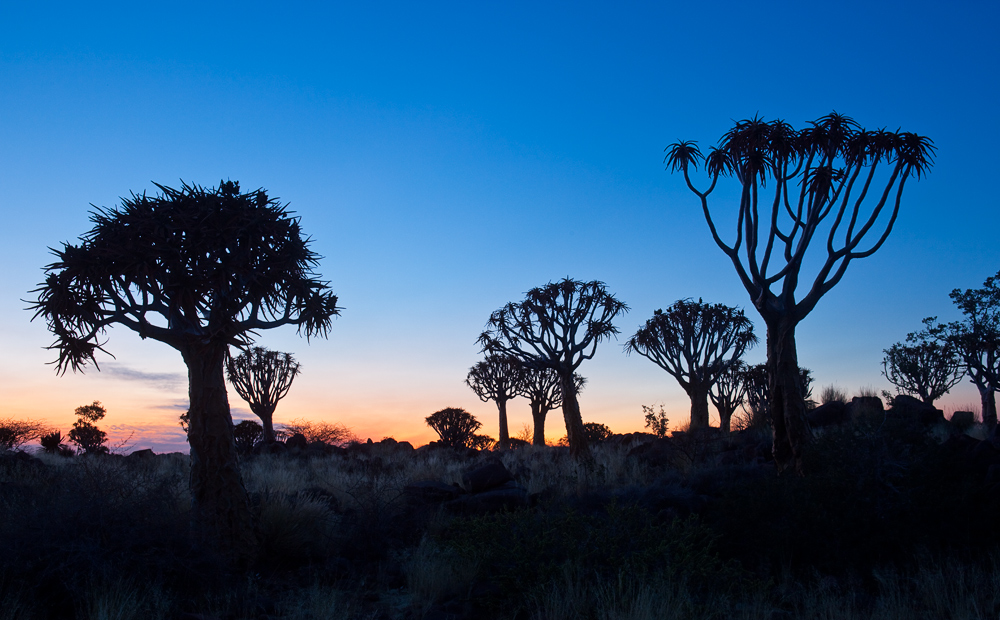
(504, 442)
(538, 419)
(699, 407)
(221, 514)
(989, 401)
(266, 415)
(725, 417)
(787, 404)
(574, 421)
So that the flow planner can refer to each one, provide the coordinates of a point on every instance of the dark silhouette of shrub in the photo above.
(596, 432)
(455, 426)
(656, 421)
(334, 434)
(247, 434)
(262, 377)
(16, 433)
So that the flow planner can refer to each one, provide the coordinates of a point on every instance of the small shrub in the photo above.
(246, 434)
(832, 394)
(595, 432)
(16, 433)
(656, 421)
(334, 434)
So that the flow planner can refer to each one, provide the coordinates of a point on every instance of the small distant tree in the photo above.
(498, 378)
(543, 389)
(455, 426)
(822, 187)
(331, 433)
(85, 433)
(557, 326)
(262, 377)
(247, 434)
(16, 433)
(656, 421)
(694, 342)
(922, 367)
(596, 432)
(728, 392)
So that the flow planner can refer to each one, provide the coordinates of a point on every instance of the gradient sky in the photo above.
(447, 157)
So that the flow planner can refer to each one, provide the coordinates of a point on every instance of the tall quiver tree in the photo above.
(832, 181)
(543, 389)
(199, 270)
(262, 377)
(694, 342)
(498, 378)
(923, 366)
(557, 326)
(728, 392)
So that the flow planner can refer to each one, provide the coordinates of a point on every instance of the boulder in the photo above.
(963, 419)
(908, 407)
(866, 405)
(146, 454)
(486, 477)
(297, 441)
(508, 496)
(828, 414)
(430, 492)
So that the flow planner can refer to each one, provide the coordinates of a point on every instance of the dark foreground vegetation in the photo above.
(895, 519)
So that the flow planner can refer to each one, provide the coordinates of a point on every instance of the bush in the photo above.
(656, 421)
(832, 394)
(16, 433)
(246, 434)
(595, 432)
(334, 434)
(85, 434)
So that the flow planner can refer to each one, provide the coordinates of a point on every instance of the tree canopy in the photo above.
(262, 377)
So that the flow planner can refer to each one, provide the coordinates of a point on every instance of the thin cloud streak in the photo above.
(166, 381)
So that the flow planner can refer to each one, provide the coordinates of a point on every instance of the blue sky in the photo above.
(446, 157)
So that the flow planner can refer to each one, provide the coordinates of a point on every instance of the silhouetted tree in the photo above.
(247, 434)
(16, 433)
(694, 342)
(728, 392)
(262, 377)
(656, 421)
(557, 326)
(923, 367)
(455, 426)
(498, 378)
(757, 386)
(85, 433)
(199, 270)
(824, 174)
(543, 389)
(52, 443)
(976, 340)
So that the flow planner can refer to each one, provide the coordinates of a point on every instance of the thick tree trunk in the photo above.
(220, 507)
(266, 415)
(574, 421)
(725, 418)
(787, 403)
(538, 419)
(504, 441)
(699, 406)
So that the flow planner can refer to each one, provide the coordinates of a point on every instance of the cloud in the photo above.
(167, 381)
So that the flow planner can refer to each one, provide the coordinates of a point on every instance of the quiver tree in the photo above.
(498, 378)
(543, 389)
(922, 367)
(757, 391)
(199, 270)
(976, 340)
(833, 182)
(728, 392)
(557, 326)
(694, 342)
(262, 378)
(455, 426)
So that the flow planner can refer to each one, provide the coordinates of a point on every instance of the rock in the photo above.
(963, 419)
(297, 441)
(270, 447)
(430, 491)
(506, 497)
(828, 414)
(908, 407)
(656, 453)
(866, 405)
(486, 477)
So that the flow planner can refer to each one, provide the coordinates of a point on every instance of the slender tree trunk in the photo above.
(699, 406)
(574, 421)
(266, 415)
(221, 510)
(989, 401)
(787, 404)
(538, 419)
(504, 432)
